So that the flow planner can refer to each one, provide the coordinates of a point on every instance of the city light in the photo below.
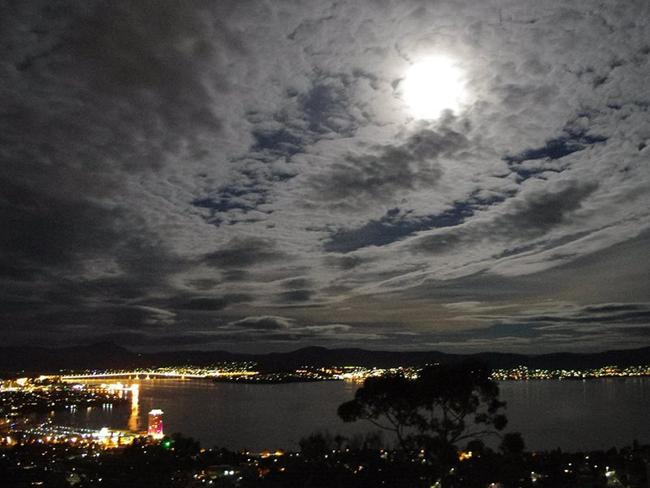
(155, 424)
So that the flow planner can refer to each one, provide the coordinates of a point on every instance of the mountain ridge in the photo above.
(36, 359)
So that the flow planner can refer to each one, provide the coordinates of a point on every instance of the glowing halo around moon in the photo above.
(433, 85)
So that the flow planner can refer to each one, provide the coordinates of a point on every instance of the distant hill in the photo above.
(109, 355)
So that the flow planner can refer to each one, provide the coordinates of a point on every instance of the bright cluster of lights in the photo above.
(178, 372)
(155, 426)
(525, 373)
(48, 433)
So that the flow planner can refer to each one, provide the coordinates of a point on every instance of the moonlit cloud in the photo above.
(249, 175)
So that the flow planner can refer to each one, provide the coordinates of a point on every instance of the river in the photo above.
(572, 415)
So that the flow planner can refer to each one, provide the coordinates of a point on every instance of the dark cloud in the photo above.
(326, 107)
(540, 211)
(243, 198)
(119, 66)
(296, 283)
(53, 230)
(530, 215)
(603, 314)
(203, 283)
(393, 226)
(235, 274)
(277, 141)
(438, 243)
(244, 252)
(360, 181)
(343, 262)
(296, 296)
(140, 339)
(213, 303)
(615, 307)
(86, 320)
(575, 323)
(642, 333)
(92, 96)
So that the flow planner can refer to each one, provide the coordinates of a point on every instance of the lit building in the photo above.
(155, 425)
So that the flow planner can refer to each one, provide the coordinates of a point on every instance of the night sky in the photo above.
(253, 176)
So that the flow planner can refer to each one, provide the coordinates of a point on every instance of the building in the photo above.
(155, 424)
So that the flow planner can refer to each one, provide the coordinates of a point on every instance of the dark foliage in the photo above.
(432, 414)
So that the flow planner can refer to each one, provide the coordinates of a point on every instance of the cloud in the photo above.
(343, 262)
(188, 166)
(57, 221)
(296, 283)
(213, 303)
(361, 180)
(621, 325)
(534, 213)
(539, 211)
(266, 322)
(243, 253)
(296, 296)
(282, 329)
(393, 226)
(536, 161)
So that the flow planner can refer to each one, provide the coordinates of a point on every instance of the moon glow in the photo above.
(432, 86)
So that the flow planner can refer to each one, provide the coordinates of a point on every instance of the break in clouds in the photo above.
(248, 176)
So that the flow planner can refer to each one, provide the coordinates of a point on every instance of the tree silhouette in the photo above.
(433, 413)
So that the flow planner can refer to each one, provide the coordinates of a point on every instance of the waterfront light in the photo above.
(155, 424)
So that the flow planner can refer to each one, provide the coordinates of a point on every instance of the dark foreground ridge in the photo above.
(109, 355)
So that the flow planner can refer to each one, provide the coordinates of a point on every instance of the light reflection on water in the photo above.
(572, 415)
(134, 415)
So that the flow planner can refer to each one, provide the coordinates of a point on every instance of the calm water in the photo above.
(572, 415)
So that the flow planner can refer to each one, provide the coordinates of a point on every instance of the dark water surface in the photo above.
(573, 415)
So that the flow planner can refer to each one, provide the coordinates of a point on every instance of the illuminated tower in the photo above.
(155, 426)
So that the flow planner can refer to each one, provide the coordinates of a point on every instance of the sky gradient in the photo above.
(247, 176)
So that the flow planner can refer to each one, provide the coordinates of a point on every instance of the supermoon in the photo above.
(432, 86)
